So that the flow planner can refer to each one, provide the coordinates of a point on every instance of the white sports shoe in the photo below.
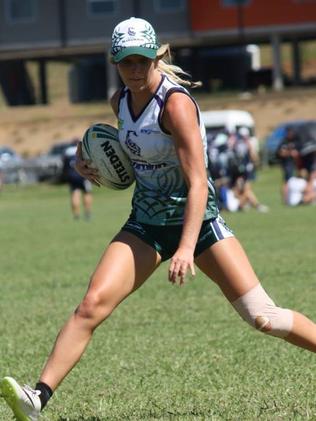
(24, 401)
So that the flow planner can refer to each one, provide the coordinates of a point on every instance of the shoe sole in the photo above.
(10, 396)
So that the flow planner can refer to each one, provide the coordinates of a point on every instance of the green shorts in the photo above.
(165, 238)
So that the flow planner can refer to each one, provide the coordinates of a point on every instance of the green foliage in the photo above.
(167, 353)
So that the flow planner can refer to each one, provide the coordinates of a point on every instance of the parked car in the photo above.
(11, 166)
(49, 166)
(305, 131)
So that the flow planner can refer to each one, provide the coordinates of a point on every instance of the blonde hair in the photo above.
(172, 71)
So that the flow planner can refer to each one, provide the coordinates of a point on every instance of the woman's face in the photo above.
(137, 72)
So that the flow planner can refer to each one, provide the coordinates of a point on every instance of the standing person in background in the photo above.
(250, 155)
(174, 216)
(218, 159)
(289, 157)
(80, 188)
(244, 159)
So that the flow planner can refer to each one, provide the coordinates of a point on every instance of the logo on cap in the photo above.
(131, 31)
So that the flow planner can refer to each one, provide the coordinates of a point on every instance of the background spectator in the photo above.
(80, 188)
(289, 158)
(301, 189)
(232, 164)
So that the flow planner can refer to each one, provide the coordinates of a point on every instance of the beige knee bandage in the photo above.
(257, 309)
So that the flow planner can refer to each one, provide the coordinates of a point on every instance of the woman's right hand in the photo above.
(85, 168)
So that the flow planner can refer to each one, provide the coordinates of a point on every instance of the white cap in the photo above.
(134, 36)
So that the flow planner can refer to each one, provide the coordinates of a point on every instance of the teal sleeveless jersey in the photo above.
(160, 192)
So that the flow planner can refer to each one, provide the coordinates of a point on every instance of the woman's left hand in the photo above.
(181, 261)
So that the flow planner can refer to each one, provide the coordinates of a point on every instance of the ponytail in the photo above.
(175, 73)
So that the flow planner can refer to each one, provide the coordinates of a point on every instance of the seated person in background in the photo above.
(80, 188)
(295, 190)
(301, 189)
(242, 190)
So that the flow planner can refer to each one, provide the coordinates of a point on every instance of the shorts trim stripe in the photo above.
(217, 231)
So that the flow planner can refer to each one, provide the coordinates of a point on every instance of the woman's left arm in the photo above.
(180, 119)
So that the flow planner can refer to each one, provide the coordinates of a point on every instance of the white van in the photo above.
(229, 121)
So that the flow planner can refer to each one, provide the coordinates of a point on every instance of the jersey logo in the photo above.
(149, 131)
(143, 166)
(132, 146)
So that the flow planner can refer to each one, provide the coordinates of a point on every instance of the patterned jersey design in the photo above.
(160, 191)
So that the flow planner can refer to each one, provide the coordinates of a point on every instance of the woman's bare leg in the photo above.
(124, 267)
(227, 264)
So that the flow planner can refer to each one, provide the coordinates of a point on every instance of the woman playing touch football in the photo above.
(174, 216)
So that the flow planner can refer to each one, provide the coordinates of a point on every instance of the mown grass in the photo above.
(167, 353)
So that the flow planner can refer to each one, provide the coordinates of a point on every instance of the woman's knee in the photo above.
(257, 309)
(94, 308)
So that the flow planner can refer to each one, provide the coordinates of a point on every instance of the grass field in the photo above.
(167, 353)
